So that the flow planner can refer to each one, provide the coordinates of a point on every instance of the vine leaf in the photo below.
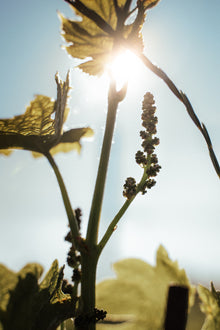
(37, 131)
(139, 293)
(149, 3)
(25, 304)
(102, 31)
(9, 280)
(210, 306)
(68, 325)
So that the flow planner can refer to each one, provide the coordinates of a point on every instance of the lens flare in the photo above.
(125, 67)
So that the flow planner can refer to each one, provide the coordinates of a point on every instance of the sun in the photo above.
(126, 67)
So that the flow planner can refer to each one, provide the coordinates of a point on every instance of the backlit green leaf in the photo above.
(37, 131)
(138, 295)
(103, 31)
(87, 40)
(210, 307)
(149, 3)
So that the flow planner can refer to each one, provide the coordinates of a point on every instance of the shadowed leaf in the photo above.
(9, 280)
(27, 305)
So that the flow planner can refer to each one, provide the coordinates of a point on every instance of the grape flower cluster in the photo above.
(73, 257)
(146, 158)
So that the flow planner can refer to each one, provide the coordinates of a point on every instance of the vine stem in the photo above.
(69, 211)
(90, 255)
(114, 98)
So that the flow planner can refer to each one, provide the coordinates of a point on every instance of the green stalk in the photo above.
(111, 228)
(87, 297)
(90, 255)
(113, 224)
(69, 211)
(94, 218)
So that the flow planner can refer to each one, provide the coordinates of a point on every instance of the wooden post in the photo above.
(177, 308)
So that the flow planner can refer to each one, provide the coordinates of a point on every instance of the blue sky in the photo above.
(182, 211)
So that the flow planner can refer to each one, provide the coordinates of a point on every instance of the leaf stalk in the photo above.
(69, 210)
(183, 98)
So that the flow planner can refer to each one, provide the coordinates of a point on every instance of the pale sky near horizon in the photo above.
(183, 211)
